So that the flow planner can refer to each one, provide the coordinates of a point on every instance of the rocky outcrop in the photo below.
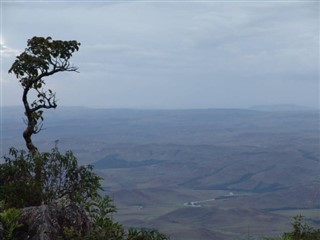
(47, 222)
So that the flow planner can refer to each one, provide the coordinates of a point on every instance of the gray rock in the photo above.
(47, 222)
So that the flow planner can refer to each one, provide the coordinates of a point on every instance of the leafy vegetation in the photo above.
(61, 176)
(9, 221)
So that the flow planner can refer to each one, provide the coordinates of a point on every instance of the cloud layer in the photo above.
(175, 55)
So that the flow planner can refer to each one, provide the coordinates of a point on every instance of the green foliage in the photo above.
(9, 221)
(100, 211)
(62, 176)
(28, 179)
(41, 56)
(18, 187)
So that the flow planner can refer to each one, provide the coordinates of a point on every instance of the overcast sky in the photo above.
(180, 54)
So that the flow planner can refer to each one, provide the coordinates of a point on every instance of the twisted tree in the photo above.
(33, 178)
(42, 58)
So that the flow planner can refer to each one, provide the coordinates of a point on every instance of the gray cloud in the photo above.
(177, 55)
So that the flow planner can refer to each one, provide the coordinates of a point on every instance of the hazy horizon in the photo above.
(277, 107)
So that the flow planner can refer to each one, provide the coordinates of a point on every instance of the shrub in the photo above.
(60, 176)
(9, 221)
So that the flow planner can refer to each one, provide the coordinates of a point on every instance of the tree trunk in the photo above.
(27, 136)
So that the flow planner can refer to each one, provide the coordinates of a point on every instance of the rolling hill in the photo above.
(210, 173)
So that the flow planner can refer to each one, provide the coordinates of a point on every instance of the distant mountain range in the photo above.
(282, 107)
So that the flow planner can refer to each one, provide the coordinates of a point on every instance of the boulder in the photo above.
(47, 222)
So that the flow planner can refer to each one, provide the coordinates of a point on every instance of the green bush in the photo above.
(58, 176)
(9, 221)
(18, 187)
(100, 211)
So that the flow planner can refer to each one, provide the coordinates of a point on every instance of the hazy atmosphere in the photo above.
(198, 119)
(179, 54)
